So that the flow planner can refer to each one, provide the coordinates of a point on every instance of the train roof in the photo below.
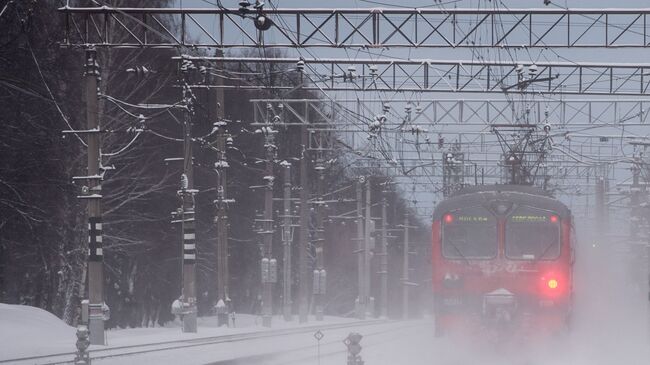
(519, 194)
(526, 189)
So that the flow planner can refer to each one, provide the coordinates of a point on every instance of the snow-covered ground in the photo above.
(27, 331)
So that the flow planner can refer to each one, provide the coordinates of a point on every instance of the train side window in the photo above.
(469, 233)
(532, 234)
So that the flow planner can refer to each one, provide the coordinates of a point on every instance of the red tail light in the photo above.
(449, 218)
(554, 219)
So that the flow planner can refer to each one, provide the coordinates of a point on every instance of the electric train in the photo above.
(502, 260)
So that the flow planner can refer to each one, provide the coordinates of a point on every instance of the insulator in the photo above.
(316, 282)
(265, 270)
(519, 68)
(322, 281)
(352, 73)
(273, 270)
(262, 22)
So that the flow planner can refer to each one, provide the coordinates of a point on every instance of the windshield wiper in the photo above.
(458, 250)
(545, 251)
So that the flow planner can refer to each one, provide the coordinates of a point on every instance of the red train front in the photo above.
(502, 259)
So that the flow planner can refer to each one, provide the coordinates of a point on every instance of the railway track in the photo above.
(306, 354)
(139, 349)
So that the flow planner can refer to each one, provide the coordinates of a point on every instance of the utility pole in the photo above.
(303, 300)
(94, 196)
(221, 220)
(637, 192)
(635, 200)
(383, 266)
(648, 283)
(647, 256)
(287, 238)
(221, 203)
(367, 251)
(269, 264)
(361, 300)
(188, 224)
(320, 275)
(600, 206)
(405, 269)
(640, 246)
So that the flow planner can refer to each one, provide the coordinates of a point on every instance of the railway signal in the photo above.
(353, 343)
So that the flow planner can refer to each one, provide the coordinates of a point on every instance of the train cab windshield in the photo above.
(532, 234)
(469, 233)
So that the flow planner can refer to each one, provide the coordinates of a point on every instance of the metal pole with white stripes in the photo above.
(287, 239)
(361, 300)
(94, 196)
(405, 269)
(383, 266)
(186, 194)
(268, 264)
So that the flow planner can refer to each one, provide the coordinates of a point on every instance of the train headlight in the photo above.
(451, 280)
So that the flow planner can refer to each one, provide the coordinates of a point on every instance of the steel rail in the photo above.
(186, 343)
(267, 358)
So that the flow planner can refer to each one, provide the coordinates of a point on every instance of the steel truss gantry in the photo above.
(425, 75)
(559, 169)
(563, 113)
(339, 123)
(302, 28)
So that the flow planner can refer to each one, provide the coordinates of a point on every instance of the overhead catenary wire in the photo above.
(49, 91)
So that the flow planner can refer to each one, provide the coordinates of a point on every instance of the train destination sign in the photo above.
(529, 219)
(472, 219)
